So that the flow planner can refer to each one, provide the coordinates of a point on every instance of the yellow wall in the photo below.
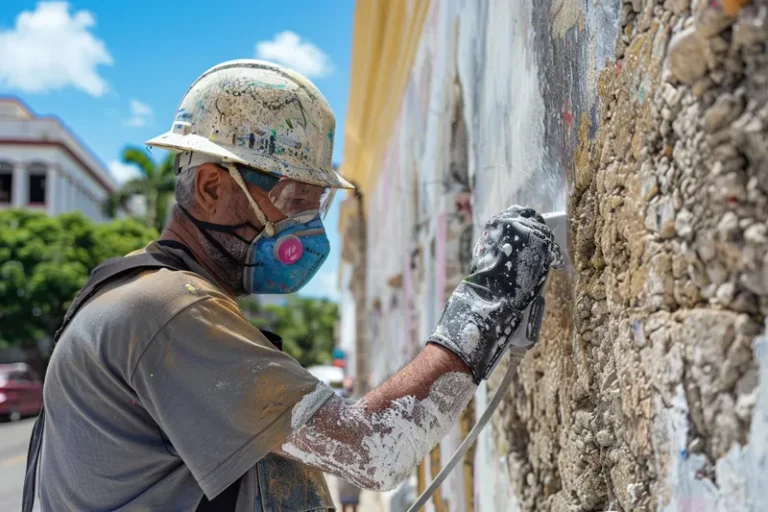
(386, 36)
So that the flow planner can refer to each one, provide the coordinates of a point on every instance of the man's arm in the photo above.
(376, 442)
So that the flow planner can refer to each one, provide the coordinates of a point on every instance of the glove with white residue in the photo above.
(510, 264)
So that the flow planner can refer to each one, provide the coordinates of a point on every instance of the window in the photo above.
(37, 176)
(6, 182)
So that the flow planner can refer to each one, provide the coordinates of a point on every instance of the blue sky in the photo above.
(114, 72)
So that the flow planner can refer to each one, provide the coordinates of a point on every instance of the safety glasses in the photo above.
(296, 200)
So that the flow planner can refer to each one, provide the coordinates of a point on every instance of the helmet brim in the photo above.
(246, 156)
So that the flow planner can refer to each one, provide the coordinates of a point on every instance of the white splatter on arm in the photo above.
(376, 442)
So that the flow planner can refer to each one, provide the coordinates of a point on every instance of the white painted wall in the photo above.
(487, 46)
(68, 187)
(347, 332)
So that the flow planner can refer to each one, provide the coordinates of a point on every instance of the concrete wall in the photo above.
(648, 121)
(68, 186)
(75, 179)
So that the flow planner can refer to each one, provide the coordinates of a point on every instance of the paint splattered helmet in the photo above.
(260, 115)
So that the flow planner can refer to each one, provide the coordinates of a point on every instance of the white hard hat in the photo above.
(260, 115)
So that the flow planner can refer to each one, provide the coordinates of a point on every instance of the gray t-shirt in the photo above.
(160, 390)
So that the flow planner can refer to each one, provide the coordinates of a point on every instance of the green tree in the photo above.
(45, 260)
(306, 326)
(154, 182)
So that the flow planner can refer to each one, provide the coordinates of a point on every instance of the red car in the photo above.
(21, 391)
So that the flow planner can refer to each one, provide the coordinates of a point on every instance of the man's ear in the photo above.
(210, 186)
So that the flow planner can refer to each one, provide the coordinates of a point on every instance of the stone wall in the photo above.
(643, 398)
(649, 387)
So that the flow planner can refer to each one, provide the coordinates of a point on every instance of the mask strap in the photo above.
(200, 225)
(230, 229)
(269, 227)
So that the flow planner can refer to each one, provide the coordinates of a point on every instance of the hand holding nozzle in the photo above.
(533, 250)
(510, 264)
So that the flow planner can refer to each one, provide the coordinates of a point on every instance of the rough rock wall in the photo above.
(652, 117)
(644, 398)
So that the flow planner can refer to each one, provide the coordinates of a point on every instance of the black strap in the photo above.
(224, 502)
(274, 339)
(112, 269)
(33, 456)
(107, 271)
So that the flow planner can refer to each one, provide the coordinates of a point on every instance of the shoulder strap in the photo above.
(107, 271)
(112, 269)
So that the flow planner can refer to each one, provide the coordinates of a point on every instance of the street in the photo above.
(14, 438)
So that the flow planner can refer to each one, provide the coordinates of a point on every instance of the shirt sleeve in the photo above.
(221, 393)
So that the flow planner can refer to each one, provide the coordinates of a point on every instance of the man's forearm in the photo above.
(376, 442)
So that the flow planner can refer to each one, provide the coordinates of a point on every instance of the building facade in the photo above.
(45, 167)
(647, 122)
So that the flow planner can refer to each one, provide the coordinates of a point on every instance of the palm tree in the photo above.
(155, 183)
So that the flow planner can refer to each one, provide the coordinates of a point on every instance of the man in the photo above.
(161, 396)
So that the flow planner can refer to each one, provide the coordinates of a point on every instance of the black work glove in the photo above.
(510, 264)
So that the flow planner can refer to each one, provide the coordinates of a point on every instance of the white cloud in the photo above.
(51, 48)
(122, 172)
(289, 49)
(140, 114)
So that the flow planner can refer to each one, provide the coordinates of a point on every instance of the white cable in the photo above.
(529, 334)
(470, 439)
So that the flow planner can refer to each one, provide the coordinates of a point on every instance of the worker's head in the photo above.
(254, 143)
